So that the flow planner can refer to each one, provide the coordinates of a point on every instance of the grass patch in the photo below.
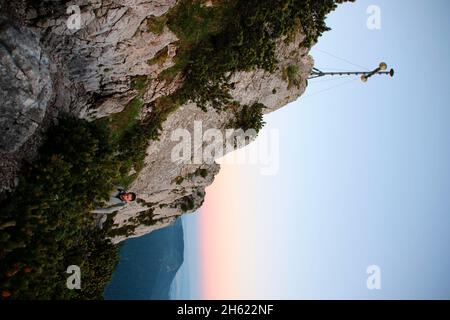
(132, 143)
(122, 121)
(156, 24)
(160, 57)
(139, 83)
(291, 74)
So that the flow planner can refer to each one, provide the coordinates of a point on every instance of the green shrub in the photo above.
(193, 22)
(201, 172)
(187, 203)
(249, 117)
(46, 223)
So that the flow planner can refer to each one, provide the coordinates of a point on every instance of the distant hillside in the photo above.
(148, 265)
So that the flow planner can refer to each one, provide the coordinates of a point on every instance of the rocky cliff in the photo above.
(95, 71)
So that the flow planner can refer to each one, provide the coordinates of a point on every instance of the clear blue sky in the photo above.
(364, 168)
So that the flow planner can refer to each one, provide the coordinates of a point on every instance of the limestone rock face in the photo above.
(113, 44)
(48, 68)
(275, 90)
(25, 86)
(89, 72)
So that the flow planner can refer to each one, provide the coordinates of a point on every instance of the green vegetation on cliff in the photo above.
(248, 117)
(245, 40)
(46, 225)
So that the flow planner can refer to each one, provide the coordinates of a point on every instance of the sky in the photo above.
(363, 176)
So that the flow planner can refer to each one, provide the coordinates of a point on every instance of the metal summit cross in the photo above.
(365, 75)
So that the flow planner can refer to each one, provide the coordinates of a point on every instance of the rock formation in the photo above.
(48, 68)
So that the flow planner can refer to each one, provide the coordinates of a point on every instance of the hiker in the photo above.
(118, 200)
